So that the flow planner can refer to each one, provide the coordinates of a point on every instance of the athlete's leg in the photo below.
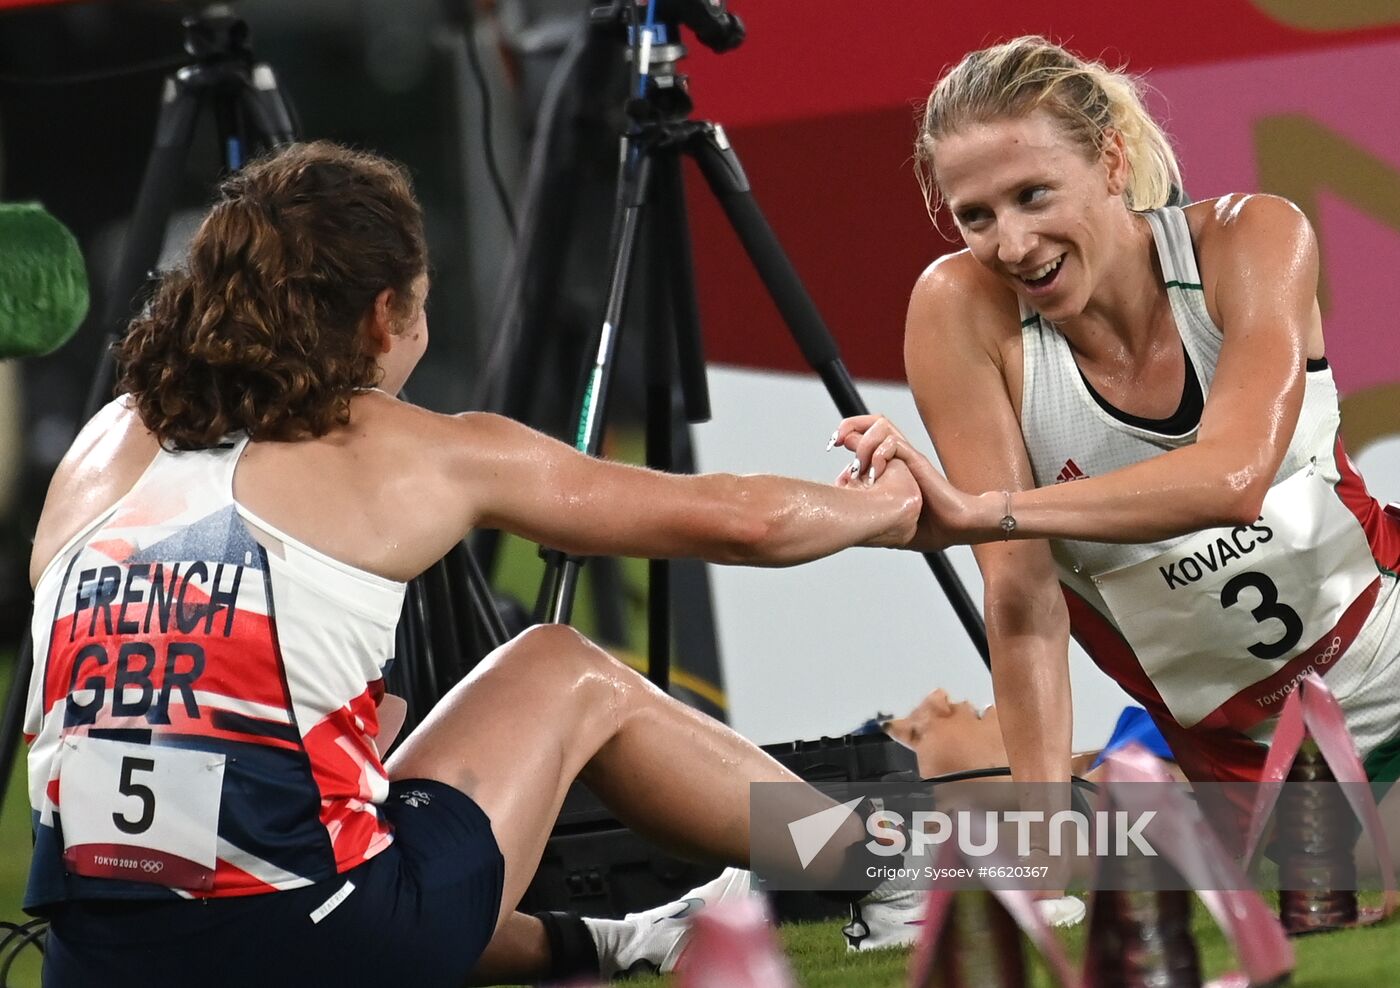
(519, 952)
(551, 706)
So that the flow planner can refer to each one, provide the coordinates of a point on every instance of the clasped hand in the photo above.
(947, 513)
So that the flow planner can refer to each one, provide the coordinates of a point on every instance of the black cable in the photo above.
(898, 787)
(19, 936)
(488, 145)
(135, 68)
(506, 313)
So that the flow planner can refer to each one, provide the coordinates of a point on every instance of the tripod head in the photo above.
(714, 26)
(654, 47)
(213, 30)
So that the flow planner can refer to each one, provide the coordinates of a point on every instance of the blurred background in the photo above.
(496, 105)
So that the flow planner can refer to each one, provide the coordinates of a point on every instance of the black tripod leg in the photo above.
(658, 291)
(561, 573)
(266, 108)
(725, 176)
(685, 310)
(467, 574)
(692, 607)
(722, 170)
(174, 131)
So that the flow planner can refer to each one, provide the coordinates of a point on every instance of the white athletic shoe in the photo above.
(653, 941)
(887, 917)
(895, 917)
(1065, 911)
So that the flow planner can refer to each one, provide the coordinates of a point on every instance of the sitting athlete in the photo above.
(1139, 426)
(218, 572)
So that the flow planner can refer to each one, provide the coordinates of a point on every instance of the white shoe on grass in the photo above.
(887, 917)
(1067, 910)
(895, 918)
(653, 941)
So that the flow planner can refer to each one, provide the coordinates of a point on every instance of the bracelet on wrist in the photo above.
(1008, 520)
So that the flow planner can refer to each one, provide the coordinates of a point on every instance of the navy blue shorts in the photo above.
(418, 913)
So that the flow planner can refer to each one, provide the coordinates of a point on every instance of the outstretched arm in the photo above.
(527, 483)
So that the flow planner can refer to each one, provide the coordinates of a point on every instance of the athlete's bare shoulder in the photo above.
(956, 297)
(396, 429)
(106, 459)
(1241, 222)
(1251, 244)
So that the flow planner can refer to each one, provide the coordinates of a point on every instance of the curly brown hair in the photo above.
(260, 330)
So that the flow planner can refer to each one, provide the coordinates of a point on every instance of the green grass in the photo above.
(1344, 958)
(14, 851)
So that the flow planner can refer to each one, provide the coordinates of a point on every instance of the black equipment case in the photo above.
(595, 866)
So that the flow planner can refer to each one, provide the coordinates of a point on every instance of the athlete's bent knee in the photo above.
(559, 650)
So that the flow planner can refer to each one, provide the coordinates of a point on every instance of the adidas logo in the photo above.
(1070, 471)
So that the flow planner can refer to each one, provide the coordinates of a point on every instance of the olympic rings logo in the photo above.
(1333, 649)
(152, 867)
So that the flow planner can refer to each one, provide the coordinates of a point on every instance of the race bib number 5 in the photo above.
(140, 812)
(1226, 609)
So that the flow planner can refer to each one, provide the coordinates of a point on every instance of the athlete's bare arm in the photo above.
(537, 487)
(398, 486)
(962, 358)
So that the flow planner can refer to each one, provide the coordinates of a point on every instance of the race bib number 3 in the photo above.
(1226, 609)
(140, 812)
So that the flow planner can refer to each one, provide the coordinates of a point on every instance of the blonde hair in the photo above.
(1090, 100)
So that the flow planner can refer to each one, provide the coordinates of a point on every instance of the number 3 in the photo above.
(129, 788)
(1269, 607)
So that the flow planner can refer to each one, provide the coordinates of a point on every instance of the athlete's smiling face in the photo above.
(1034, 206)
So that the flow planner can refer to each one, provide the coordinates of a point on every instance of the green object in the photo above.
(1383, 767)
(43, 281)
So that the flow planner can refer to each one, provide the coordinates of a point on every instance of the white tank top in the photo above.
(1222, 621)
(203, 706)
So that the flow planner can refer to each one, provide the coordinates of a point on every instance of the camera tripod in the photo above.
(650, 212)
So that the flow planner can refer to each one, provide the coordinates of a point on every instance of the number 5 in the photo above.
(129, 788)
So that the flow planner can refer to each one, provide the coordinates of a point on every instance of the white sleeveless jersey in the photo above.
(202, 711)
(1215, 628)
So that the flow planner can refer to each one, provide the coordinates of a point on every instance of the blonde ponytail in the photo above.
(1153, 171)
(1089, 99)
